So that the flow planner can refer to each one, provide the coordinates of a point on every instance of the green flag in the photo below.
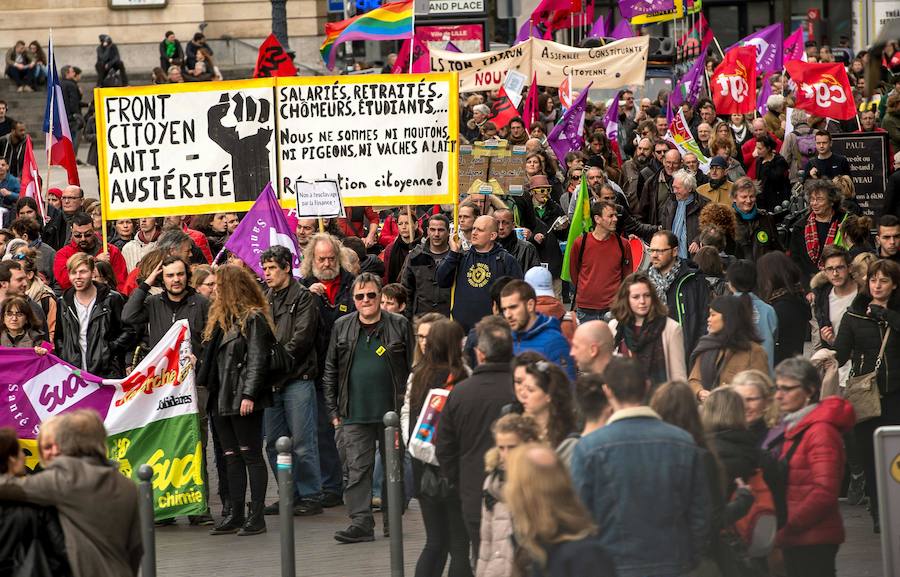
(581, 223)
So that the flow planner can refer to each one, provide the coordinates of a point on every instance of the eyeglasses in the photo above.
(834, 269)
(18, 256)
(209, 283)
(787, 388)
(72, 197)
(659, 250)
(365, 296)
(14, 315)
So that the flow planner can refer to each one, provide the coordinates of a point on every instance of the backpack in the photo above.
(806, 145)
(758, 527)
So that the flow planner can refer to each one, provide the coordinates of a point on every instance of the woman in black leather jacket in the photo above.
(238, 340)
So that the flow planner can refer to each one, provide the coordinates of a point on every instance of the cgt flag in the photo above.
(273, 60)
(823, 89)
(733, 85)
(264, 226)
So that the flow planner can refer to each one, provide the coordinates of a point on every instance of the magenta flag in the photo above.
(263, 226)
(793, 46)
(611, 120)
(769, 45)
(568, 135)
(632, 8)
(622, 30)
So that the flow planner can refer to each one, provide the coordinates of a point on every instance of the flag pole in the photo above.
(412, 42)
(51, 95)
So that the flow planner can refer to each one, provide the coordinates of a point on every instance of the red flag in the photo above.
(421, 57)
(555, 14)
(273, 60)
(530, 112)
(565, 93)
(733, 84)
(503, 110)
(30, 185)
(823, 89)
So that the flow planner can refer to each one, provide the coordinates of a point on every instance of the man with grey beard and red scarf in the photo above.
(323, 273)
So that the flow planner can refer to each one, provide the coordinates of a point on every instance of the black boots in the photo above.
(256, 522)
(232, 522)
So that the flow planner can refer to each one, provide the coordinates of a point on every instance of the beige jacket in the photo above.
(735, 362)
(98, 511)
(673, 349)
(495, 553)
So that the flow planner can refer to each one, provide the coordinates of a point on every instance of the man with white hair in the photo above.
(681, 213)
(773, 119)
(472, 130)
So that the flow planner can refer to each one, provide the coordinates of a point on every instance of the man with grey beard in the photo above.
(323, 274)
(632, 170)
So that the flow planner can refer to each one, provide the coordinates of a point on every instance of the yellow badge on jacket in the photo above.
(380, 351)
(342, 308)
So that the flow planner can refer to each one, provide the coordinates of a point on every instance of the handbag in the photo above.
(862, 390)
(433, 484)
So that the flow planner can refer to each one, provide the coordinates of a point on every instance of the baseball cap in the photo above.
(541, 281)
(718, 161)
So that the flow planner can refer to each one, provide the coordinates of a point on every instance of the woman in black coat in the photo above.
(238, 339)
(546, 212)
(772, 174)
(778, 283)
(864, 327)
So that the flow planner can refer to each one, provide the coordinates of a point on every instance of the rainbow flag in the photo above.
(392, 21)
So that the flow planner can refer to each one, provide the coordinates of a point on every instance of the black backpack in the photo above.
(776, 472)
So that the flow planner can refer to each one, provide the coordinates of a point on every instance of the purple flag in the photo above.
(632, 8)
(688, 88)
(527, 31)
(451, 47)
(622, 30)
(600, 29)
(264, 226)
(764, 93)
(611, 120)
(568, 135)
(769, 44)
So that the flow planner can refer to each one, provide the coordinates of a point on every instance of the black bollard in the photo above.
(284, 446)
(394, 468)
(145, 506)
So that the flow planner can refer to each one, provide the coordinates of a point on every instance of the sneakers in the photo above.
(330, 500)
(354, 534)
(376, 503)
(308, 508)
(856, 490)
(203, 520)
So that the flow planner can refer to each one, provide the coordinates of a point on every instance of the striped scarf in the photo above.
(812, 238)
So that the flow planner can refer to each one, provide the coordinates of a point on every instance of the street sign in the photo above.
(456, 6)
(887, 472)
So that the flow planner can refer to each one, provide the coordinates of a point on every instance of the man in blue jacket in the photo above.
(533, 331)
(471, 274)
(644, 482)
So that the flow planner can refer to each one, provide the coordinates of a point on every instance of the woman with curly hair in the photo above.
(544, 391)
(722, 219)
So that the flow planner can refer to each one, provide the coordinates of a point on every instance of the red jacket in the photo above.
(62, 256)
(747, 153)
(201, 241)
(815, 474)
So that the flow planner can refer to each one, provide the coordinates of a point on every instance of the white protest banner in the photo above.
(320, 199)
(483, 70)
(184, 148)
(616, 65)
(388, 140)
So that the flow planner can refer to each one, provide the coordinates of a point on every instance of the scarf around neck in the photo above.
(645, 344)
(679, 225)
(746, 215)
(663, 281)
(813, 250)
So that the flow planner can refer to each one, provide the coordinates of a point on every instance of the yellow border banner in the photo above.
(665, 16)
(389, 140)
(162, 154)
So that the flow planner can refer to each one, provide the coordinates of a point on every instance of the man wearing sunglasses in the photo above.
(85, 239)
(365, 377)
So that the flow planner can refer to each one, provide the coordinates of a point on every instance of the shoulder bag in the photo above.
(862, 390)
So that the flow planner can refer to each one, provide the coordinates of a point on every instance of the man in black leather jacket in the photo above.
(365, 376)
(293, 411)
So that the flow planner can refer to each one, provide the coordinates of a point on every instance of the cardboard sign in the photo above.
(867, 153)
(385, 139)
(471, 168)
(184, 148)
(509, 171)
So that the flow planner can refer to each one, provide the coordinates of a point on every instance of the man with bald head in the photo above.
(592, 347)
(473, 273)
(533, 145)
(657, 189)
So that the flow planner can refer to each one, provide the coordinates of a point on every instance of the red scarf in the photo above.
(812, 238)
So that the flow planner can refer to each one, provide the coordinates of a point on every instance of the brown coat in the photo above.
(98, 511)
(735, 362)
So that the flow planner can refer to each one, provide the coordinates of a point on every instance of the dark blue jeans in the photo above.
(293, 414)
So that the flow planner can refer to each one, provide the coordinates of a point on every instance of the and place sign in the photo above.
(455, 6)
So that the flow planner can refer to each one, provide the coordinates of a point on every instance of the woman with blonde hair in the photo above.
(757, 391)
(495, 554)
(555, 533)
(238, 339)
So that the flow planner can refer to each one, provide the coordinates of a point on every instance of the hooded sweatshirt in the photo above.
(545, 337)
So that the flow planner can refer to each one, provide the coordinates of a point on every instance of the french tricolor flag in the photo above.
(56, 124)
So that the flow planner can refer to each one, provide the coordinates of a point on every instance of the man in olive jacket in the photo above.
(365, 377)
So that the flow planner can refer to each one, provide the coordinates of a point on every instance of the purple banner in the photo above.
(632, 8)
(688, 88)
(568, 134)
(622, 30)
(264, 226)
(769, 43)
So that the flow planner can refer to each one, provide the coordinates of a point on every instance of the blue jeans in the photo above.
(293, 414)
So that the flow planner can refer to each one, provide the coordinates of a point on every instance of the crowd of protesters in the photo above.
(654, 415)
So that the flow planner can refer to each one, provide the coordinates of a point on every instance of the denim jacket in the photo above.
(645, 484)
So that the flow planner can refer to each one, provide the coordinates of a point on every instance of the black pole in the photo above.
(286, 505)
(279, 23)
(145, 506)
(394, 467)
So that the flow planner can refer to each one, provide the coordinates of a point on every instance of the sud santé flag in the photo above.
(150, 416)
(733, 85)
(823, 89)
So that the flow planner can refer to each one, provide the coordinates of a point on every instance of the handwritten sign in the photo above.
(867, 154)
(318, 199)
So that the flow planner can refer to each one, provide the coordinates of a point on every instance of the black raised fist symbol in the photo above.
(245, 137)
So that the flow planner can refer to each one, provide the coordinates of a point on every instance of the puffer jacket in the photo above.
(496, 551)
(108, 338)
(545, 337)
(815, 473)
(235, 367)
(859, 341)
(296, 315)
(395, 334)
